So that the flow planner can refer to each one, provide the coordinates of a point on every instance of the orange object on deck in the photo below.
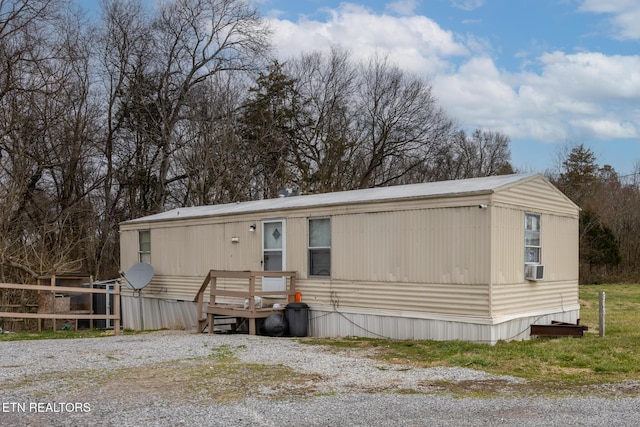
(298, 297)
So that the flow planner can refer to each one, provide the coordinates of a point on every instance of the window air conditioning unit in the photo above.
(534, 272)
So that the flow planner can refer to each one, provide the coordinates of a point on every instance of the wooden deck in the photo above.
(237, 312)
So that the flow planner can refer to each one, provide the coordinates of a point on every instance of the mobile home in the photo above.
(476, 259)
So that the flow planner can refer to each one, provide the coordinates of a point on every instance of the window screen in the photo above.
(320, 247)
(144, 248)
(532, 246)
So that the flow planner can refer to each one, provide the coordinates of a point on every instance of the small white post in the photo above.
(602, 313)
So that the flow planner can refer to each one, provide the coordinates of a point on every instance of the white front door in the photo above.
(274, 253)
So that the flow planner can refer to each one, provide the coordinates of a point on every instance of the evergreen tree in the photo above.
(579, 175)
(267, 127)
(598, 242)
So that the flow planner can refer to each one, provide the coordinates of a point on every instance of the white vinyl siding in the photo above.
(439, 245)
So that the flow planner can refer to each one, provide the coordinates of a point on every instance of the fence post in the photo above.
(116, 307)
(601, 311)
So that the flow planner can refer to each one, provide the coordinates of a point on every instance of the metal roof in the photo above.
(379, 194)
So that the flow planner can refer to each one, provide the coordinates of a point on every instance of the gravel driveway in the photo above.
(176, 378)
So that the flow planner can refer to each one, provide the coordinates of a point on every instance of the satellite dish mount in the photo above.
(137, 278)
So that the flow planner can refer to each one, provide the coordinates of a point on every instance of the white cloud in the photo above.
(605, 128)
(475, 87)
(403, 7)
(624, 16)
(480, 95)
(415, 43)
(467, 5)
(593, 76)
(585, 95)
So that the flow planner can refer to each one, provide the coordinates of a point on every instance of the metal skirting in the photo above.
(342, 324)
(158, 313)
(172, 314)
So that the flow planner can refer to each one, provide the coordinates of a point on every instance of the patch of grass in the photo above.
(548, 364)
(200, 379)
(223, 353)
(65, 334)
(607, 365)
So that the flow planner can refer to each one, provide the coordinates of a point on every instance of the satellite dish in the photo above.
(138, 276)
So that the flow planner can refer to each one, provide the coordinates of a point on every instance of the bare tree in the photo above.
(362, 125)
(45, 122)
(163, 114)
(324, 116)
(215, 160)
(123, 39)
(192, 40)
(484, 153)
(399, 125)
(20, 21)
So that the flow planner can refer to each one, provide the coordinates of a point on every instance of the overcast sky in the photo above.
(544, 72)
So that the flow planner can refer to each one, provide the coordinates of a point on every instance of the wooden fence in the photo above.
(67, 315)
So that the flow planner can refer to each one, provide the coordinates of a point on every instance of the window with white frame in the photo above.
(320, 247)
(532, 244)
(144, 246)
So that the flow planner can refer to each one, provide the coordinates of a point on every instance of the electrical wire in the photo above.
(336, 311)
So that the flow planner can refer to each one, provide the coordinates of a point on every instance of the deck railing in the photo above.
(248, 311)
